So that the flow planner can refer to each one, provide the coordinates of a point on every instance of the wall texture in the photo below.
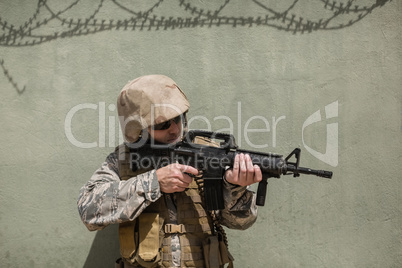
(322, 75)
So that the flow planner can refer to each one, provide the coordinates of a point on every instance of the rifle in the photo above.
(213, 160)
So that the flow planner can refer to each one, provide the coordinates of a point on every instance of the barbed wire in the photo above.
(30, 33)
(24, 35)
(10, 78)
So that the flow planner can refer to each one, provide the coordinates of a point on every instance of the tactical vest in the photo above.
(146, 241)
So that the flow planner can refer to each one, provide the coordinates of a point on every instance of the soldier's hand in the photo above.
(174, 177)
(243, 173)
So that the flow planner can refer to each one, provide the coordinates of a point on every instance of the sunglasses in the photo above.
(167, 124)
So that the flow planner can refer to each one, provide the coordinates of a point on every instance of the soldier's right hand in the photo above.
(174, 177)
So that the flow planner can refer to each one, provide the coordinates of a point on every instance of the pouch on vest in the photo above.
(144, 248)
(148, 236)
(128, 237)
(216, 253)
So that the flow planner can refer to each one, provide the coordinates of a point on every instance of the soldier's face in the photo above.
(169, 135)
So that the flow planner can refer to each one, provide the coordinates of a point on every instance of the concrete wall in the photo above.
(274, 66)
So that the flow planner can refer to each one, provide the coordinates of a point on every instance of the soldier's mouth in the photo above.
(175, 139)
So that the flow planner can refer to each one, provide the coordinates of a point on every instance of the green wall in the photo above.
(263, 70)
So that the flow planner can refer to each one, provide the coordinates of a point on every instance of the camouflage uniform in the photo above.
(105, 199)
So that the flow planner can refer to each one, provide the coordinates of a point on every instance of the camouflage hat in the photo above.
(149, 100)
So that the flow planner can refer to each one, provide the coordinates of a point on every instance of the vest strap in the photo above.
(181, 228)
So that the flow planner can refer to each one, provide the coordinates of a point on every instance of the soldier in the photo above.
(162, 221)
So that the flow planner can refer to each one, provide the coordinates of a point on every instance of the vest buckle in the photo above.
(174, 228)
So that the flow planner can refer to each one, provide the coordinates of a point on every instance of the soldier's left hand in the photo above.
(243, 173)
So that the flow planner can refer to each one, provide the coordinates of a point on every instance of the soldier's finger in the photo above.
(242, 164)
(186, 178)
(249, 162)
(235, 170)
(187, 169)
(183, 183)
(250, 170)
(257, 174)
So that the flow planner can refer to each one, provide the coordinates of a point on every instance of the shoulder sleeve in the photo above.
(105, 199)
(240, 209)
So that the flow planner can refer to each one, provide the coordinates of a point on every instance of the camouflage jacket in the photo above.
(105, 199)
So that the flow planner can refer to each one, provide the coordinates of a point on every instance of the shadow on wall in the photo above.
(53, 20)
(105, 248)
